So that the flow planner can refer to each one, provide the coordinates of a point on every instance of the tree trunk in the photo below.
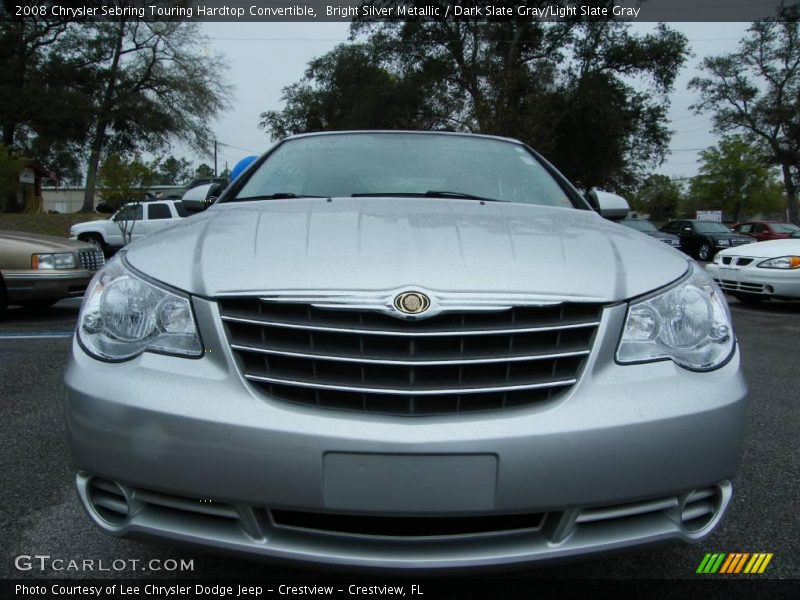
(92, 167)
(8, 134)
(102, 124)
(791, 193)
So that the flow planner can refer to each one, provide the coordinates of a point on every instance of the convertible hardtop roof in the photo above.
(416, 132)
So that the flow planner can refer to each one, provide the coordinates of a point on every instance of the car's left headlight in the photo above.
(123, 315)
(781, 262)
(61, 260)
(723, 242)
(688, 323)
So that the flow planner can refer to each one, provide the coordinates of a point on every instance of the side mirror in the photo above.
(200, 197)
(610, 206)
(686, 231)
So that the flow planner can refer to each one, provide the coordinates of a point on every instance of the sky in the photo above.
(264, 58)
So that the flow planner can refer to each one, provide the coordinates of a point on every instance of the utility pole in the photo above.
(215, 158)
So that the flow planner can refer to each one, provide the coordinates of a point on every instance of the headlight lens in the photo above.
(54, 261)
(723, 242)
(123, 315)
(689, 323)
(782, 262)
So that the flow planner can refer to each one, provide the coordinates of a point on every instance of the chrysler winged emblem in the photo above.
(412, 303)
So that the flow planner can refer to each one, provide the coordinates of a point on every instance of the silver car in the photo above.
(405, 350)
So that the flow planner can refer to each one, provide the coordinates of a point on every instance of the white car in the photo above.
(760, 271)
(149, 216)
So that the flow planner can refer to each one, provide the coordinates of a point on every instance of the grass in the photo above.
(57, 225)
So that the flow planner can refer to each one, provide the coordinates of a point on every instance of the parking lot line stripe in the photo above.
(43, 335)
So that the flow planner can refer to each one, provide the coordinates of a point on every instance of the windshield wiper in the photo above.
(449, 194)
(429, 194)
(276, 196)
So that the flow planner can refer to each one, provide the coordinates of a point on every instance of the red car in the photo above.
(765, 230)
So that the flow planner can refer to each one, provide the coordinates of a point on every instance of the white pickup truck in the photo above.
(149, 217)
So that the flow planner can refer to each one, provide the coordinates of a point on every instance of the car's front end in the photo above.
(761, 271)
(39, 269)
(405, 382)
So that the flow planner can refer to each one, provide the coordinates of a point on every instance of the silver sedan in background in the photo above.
(405, 350)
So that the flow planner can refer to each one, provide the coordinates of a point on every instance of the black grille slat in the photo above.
(371, 525)
(367, 361)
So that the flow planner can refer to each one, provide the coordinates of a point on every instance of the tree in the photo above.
(756, 91)
(351, 87)
(152, 82)
(566, 88)
(10, 167)
(658, 196)
(173, 171)
(204, 171)
(735, 179)
(43, 114)
(125, 183)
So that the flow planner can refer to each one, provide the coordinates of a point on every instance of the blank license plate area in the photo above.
(409, 483)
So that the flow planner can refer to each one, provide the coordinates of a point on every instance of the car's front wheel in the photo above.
(704, 252)
(749, 298)
(3, 298)
(40, 303)
(96, 240)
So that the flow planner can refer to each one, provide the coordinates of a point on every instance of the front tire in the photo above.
(704, 252)
(749, 298)
(40, 303)
(96, 240)
(3, 298)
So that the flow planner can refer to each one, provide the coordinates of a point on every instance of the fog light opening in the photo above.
(702, 509)
(108, 501)
(769, 289)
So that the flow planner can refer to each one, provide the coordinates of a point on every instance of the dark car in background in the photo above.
(703, 239)
(648, 228)
(762, 231)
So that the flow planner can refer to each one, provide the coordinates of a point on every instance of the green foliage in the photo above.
(10, 167)
(125, 181)
(756, 91)
(44, 113)
(351, 87)
(735, 178)
(565, 88)
(204, 170)
(172, 171)
(659, 197)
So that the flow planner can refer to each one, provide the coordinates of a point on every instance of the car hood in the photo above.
(770, 249)
(41, 242)
(662, 235)
(729, 236)
(382, 244)
(87, 225)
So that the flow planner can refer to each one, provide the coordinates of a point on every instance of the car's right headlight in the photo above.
(688, 323)
(124, 314)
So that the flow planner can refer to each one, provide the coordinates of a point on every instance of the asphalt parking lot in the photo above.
(41, 514)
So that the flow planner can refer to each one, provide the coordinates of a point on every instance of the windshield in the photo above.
(710, 227)
(784, 227)
(363, 164)
(640, 225)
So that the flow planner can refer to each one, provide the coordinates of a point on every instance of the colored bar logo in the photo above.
(734, 562)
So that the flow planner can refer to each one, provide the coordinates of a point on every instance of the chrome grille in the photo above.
(91, 260)
(368, 361)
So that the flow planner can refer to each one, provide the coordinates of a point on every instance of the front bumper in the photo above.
(611, 464)
(23, 286)
(754, 280)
